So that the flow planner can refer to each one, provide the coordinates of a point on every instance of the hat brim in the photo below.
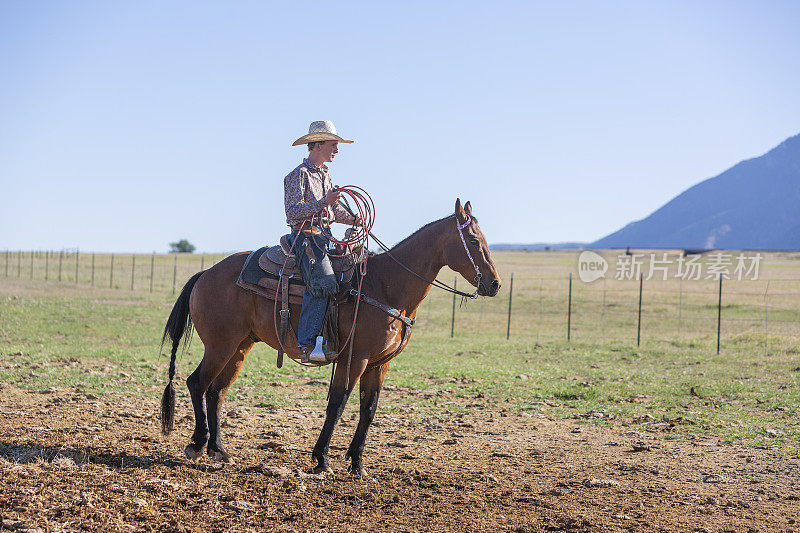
(315, 137)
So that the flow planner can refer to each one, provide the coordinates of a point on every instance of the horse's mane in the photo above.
(426, 226)
(429, 224)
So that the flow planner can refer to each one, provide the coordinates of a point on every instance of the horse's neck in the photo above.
(422, 253)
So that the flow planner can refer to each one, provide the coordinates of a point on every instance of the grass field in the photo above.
(106, 339)
(534, 433)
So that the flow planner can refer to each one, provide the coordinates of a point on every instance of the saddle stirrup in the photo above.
(317, 355)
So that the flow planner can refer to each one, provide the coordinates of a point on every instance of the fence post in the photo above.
(7, 259)
(60, 263)
(174, 273)
(31, 264)
(603, 315)
(766, 339)
(111, 276)
(719, 312)
(541, 311)
(453, 316)
(133, 268)
(92, 269)
(680, 304)
(152, 264)
(202, 262)
(510, 294)
(47, 265)
(569, 310)
(77, 256)
(639, 320)
(19, 263)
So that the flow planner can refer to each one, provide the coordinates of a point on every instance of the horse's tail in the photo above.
(179, 329)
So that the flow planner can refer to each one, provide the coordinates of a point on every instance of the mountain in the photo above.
(754, 205)
(538, 246)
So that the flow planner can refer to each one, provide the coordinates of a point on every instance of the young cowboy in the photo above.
(311, 203)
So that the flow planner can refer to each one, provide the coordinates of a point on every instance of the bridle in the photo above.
(461, 228)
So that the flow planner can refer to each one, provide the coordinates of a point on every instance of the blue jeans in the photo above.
(312, 313)
(311, 316)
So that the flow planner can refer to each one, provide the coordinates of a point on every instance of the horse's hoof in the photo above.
(221, 457)
(358, 472)
(323, 469)
(193, 454)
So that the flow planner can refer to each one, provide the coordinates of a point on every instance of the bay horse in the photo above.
(229, 320)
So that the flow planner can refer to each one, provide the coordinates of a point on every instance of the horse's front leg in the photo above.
(338, 399)
(371, 383)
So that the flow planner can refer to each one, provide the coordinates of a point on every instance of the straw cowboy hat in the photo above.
(320, 130)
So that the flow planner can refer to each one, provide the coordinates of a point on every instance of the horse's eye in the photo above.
(474, 241)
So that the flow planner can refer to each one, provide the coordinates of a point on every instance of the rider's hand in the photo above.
(357, 221)
(333, 196)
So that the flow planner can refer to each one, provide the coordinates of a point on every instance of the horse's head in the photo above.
(470, 256)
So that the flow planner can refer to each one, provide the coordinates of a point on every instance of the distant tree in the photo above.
(182, 246)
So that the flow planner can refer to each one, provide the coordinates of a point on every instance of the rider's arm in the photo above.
(339, 212)
(340, 215)
(294, 186)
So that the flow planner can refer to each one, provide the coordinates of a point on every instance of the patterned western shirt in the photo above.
(304, 191)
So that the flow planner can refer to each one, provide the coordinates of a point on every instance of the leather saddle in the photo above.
(277, 258)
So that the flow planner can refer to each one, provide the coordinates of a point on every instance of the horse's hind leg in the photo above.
(216, 395)
(371, 383)
(214, 360)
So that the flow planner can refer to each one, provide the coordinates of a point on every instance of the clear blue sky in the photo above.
(124, 126)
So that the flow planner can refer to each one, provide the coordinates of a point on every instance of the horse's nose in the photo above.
(495, 286)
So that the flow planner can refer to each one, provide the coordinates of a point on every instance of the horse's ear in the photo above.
(468, 208)
(460, 210)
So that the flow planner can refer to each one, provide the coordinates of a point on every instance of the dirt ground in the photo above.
(74, 461)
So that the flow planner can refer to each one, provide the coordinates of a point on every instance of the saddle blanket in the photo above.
(255, 279)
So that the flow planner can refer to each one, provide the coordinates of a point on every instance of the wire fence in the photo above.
(708, 314)
(134, 272)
